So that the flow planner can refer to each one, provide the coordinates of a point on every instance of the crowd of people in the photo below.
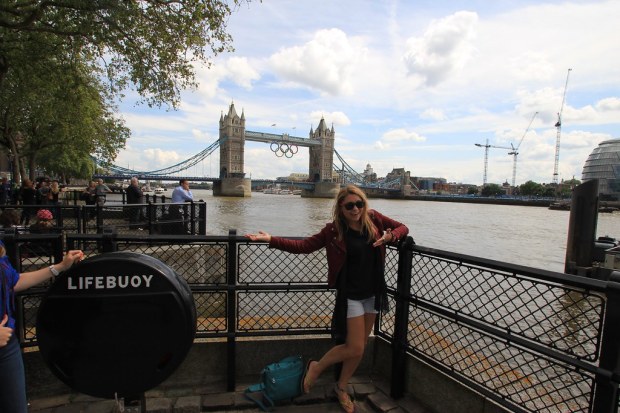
(39, 202)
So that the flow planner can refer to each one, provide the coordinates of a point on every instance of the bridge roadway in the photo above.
(284, 138)
(256, 183)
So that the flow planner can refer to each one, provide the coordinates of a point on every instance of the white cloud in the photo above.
(444, 49)
(433, 114)
(608, 104)
(161, 157)
(237, 70)
(336, 118)
(325, 63)
(399, 135)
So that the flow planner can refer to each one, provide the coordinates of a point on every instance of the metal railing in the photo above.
(529, 339)
(151, 217)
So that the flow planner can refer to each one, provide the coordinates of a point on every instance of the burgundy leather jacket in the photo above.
(335, 249)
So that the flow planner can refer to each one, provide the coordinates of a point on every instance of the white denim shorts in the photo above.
(356, 308)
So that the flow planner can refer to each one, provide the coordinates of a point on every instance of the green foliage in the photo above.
(54, 110)
(492, 190)
(150, 44)
(63, 62)
(472, 190)
(531, 188)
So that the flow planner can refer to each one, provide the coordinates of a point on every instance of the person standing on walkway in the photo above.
(355, 247)
(12, 375)
(134, 196)
(181, 194)
(101, 190)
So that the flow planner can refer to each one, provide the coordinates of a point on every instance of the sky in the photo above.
(405, 84)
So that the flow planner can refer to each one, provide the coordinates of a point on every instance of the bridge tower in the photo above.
(322, 157)
(232, 146)
(321, 166)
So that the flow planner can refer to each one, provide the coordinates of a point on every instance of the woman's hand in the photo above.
(387, 237)
(5, 332)
(70, 257)
(261, 236)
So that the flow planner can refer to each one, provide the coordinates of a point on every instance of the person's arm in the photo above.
(295, 246)
(394, 230)
(187, 195)
(32, 278)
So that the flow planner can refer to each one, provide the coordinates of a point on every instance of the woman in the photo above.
(12, 376)
(54, 195)
(355, 248)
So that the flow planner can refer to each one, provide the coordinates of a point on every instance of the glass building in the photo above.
(604, 164)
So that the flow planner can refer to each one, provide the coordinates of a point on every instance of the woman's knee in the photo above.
(356, 349)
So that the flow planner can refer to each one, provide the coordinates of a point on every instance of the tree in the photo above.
(52, 105)
(531, 188)
(492, 190)
(150, 44)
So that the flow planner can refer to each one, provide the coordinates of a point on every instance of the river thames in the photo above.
(530, 236)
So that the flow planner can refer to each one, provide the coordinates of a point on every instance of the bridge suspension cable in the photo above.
(349, 175)
(181, 166)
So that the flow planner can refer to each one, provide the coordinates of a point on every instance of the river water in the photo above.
(530, 236)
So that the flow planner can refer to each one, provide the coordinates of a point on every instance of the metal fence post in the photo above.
(108, 240)
(401, 319)
(150, 213)
(202, 218)
(192, 218)
(231, 311)
(606, 390)
(99, 218)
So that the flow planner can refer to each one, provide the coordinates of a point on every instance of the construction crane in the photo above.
(515, 152)
(558, 126)
(486, 157)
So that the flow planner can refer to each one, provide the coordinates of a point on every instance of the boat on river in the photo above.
(271, 190)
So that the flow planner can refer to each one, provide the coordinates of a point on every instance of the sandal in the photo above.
(344, 399)
(306, 385)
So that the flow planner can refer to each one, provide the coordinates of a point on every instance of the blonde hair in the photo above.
(339, 219)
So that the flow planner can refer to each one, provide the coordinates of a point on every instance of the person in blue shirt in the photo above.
(12, 375)
(182, 193)
(180, 213)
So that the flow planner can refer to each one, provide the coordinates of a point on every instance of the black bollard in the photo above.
(582, 229)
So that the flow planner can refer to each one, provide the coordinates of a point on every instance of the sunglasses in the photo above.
(349, 205)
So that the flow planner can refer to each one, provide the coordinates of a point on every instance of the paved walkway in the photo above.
(370, 397)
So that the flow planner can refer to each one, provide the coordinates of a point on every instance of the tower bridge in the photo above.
(232, 180)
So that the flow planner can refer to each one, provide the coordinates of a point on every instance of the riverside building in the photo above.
(604, 164)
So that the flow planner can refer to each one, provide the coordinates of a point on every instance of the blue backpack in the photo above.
(279, 381)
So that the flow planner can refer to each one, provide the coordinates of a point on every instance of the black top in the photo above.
(361, 266)
(28, 195)
(134, 194)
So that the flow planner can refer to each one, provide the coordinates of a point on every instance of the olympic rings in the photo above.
(283, 149)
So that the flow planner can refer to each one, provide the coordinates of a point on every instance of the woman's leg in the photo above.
(350, 353)
(350, 365)
(12, 379)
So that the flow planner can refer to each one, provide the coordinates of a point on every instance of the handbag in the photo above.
(279, 381)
